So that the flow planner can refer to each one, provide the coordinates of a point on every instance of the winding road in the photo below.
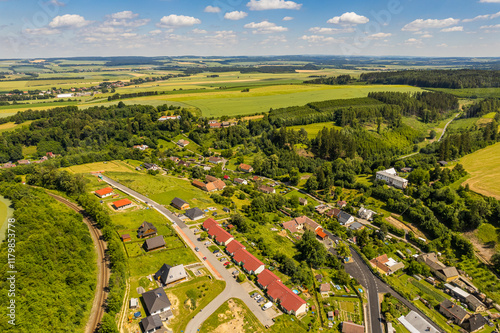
(233, 289)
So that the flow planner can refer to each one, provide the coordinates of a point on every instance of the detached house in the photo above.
(180, 204)
(245, 168)
(182, 143)
(146, 230)
(453, 312)
(122, 204)
(156, 301)
(194, 214)
(215, 160)
(168, 275)
(267, 189)
(151, 324)
(154, 243)
(345, 218)
(385, 265)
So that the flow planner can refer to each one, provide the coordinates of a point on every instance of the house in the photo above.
(194, 214)
(241, 181)
(245, 167)
(209, 223)
(182, 143)
(299, 223)
(122, 204)
(151, 166)
(8, 165)
(406, 170)
(184, 164)
(341, 204)
(320, 209)
(23, 162)
(180, 204)
(288, 301)
(221, 236)
(303, 201)
(233, 247)
(154, 243)
(218, 184)
(215, 160)
(366, 214)
(175, 159)
(414, 323)
(443, 163)
(321, 234)
(141, 147)
(156, 301)
(324, 288)
(334, 212)
(104, 192)
(443, 272)
(250, 264)
(348, 327)
(146, 230)
(385, 265)
(215, 125)
(345, 218)
(356, 226)
(265, 278)
(267, 189)
(453, 312)
(168, 275)
(475, 323)
(125, 238)
(255, 178)
(151, 324)
(391, 178)
(474, 304)
(199, 184)
(210, 179)
(163, 118)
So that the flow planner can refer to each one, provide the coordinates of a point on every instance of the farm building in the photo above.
(146, 230)
(154, 243)
(122, 204)
(170, 274)
(104, 192)
(179, 204)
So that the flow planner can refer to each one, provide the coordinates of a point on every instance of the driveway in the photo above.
(233, 289)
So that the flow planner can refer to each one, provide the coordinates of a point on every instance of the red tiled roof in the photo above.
(209, 223)
(320, 233)
(290, 225)
(250, 263)
(234, 246)
(209, 187)
(245, 167)
(266, 278)
(220, 234)
(209, 178)
(348, 327)
(198, 183)
(122, 203)
(104, 191)
(288, 300)
(219, 184)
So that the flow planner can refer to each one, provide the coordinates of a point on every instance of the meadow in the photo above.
(313, 129)
(484, 167)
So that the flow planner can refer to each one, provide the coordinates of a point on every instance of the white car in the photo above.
(218, 255)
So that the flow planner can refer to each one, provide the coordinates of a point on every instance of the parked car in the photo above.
(262, 299)
(267, 306)
(218, 255)
(226, 263)
(204, 258)
(236, 272)
(197, 249)
(257, 298)
(206, 243)
(216, 251)
(253, 295)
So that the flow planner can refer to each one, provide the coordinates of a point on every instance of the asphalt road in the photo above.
(233, 289)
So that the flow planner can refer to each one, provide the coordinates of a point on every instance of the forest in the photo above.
(55, 263)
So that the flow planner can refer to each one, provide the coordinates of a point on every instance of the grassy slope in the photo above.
(484, 166)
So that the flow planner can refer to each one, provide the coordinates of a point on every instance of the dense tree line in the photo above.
(482, 107)
(55, 264)
(333, 80)
(455, 79)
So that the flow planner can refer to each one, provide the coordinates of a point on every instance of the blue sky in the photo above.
(63, 28)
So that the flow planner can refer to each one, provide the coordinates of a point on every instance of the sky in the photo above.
(68, 28)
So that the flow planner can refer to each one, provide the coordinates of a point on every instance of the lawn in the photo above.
(487, 233)
(5, 212)
(117, 166)
(233, 313)
(152, 261)
(484, 167)
(313, 129)
(12, 126)
(184, 310)
(29, 150)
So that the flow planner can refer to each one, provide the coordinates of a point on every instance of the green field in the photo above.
(6, 212)
(484, 167)
(313, 129)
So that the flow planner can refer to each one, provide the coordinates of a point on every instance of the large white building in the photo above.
(390, 177)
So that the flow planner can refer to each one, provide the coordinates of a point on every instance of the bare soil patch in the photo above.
(400, 225)
(484, 251)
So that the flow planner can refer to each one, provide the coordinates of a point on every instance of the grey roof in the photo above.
(155, 242)
(178, 202)
(355, 226)
(145, 227)
(473, 302)
(453, 309)
(449, 271)
(394, 177)
(168, 274)
(155, 300)
(151, 322)
(344, 217)
(194, 213)
(415, 323)
(476, 322)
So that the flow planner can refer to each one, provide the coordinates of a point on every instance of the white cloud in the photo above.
(199, 31)
(495, 15)
(57, 3)
(68, 21)
(427, 36)
(212, 9)
(155, 32)
(274, 40)
(477, 18)
(42, 31)
(236, 15)
(430, 23)
(321, 30)
(349, 18)
(127, 14)
(380, 35)
(490, 26)
(265, 27)
(442, 45)
(413, 41)
(319, 39)
(287, 18)
(272, 4)
(453, 29)
(489, 1)
(173, 20)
